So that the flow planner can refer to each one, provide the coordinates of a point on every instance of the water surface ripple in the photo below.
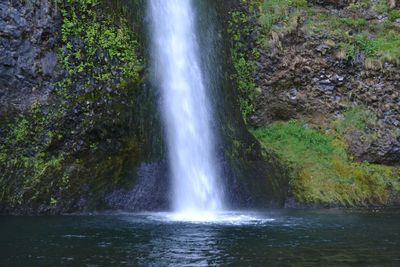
(270, 238)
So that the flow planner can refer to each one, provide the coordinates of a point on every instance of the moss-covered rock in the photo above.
(333, 65)
(77, 140)
(250, 180)
(323, 173)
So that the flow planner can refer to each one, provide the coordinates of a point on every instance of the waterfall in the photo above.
(185, 107)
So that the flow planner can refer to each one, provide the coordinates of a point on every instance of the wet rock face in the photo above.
(301, 77)
(76, 138)
(151, 192)
(385, 149)
(249, 180)
(27, 63)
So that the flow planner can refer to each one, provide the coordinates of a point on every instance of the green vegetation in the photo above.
(51, 150)
(355, 118)
(381, 6)
(255, 17)
(107, 37)
(394, 15)
(26, 161)
(377, 40)
(274, 11)
(240, 29)
(321, 170)
(269, 20)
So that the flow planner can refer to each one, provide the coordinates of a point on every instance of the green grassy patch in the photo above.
(355, 118)
(274, 11)
(375, 39)
(321, 170)
(378, 40)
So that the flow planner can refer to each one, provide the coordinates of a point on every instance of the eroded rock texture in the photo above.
(29, 35)
(301, 75)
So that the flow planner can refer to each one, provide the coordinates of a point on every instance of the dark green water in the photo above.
(274, 238)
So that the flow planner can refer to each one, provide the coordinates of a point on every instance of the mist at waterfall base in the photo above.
(197, 193)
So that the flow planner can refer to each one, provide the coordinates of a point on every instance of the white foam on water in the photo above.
(225, 218)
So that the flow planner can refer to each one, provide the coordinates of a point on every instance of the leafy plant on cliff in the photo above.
(249, 27)
(243, 58)
(25, 159)
(322, 172)
(50, 148)
(86, 35)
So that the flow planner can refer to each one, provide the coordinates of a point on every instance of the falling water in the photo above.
(185, 106)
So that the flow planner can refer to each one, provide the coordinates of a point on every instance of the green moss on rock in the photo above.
(241, 28)
(64, 153)
(321, 170)
(87, 32)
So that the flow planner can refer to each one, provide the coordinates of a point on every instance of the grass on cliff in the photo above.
(376, 40)
(322, 171)
(275, 11)
(352, 33)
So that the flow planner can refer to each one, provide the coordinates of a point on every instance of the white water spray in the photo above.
(185, 106)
